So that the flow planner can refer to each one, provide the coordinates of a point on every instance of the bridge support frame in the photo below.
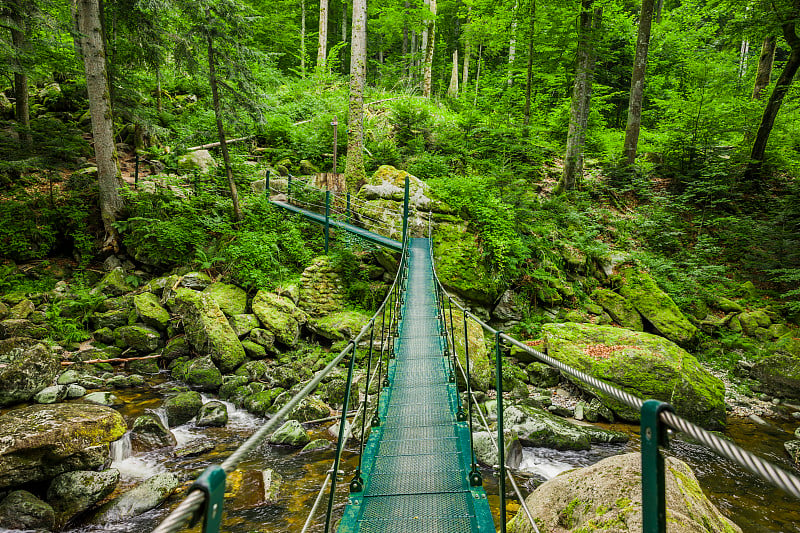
(653, 435)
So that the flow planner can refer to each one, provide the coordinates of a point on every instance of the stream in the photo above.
(754, 505)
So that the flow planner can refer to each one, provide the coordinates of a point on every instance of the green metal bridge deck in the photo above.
(416, 463)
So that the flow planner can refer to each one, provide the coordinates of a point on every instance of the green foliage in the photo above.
(69, 318)
(357, 287)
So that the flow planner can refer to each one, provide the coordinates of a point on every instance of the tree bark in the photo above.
(512, 44)
(581, 96)
(21, 102)
(452, 90)
(406, 68)
(637, 83)
(212, 79)
(782, 86)
(428, 72)
(529, 73)
(467, 52)
(744, 50)
(354, 170)
(478, 74)
(302, 38)
(764, 72)
(659, 8)
(90, 42)
(322, 45)
(344, 22)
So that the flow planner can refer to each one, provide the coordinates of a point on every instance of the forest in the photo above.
(556, 146)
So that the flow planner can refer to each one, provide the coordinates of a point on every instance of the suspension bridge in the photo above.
(417, 470)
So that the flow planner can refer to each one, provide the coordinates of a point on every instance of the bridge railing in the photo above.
(205, 498)
(344, 207)
(656, 419)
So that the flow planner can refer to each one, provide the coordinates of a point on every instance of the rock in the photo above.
(14, 327)
(40, 442)
(620, 309)
(642, 364)
(200, 160)
(486, 454)
(778, 375)
(141, 340)
(26, 367)
(182, 407)
(252, 489)
(253, 350)
(507, 307)
(751, 322)
(23, 510)
(263, 337)
(212, 414)
(104, 335)
(4, 309)
(310, 408)
(52, 394)
(243, 324)
(455, 250)
(316, 445)
(333, 392)
(260, 403)
(150, 312)
(195, 448)
(113, 284)
(255, 371)
(143, 497)
(197, 281)
(542, 429)
(107, 399)
(74, 492)
(481, 372)
(231, 299)
(607, 496)
(22, 310)
(340, 325)
(792, 447)
(75, 391)
(175, 348)
(543, 375)
(112, 319)
(724, 304)
(656, 306)
(280, 316)
(207, 329)
(321, 288)
(290, 433)
(149, 433)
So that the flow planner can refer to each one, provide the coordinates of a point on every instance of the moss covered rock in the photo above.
(182, 407)
(243, 324)
(340, 325)
(310, 408)
(112, 319)
(778, 375)
(74, 492)
(145, 496)
(291, 433)
(481, 374)
(149, 433)
(149, 311)
(202, 374)
(231, 299)
(207, 329)
(18, 327)
(253, 350)
(113, 284)
(26, 367)
(260, 403)
(21, 510)
(642, 364)
(459, 266)
(280, 316)
(620, 309)
(656, 306)
(212, 414)
(40, 442)
(321, 290)
(140, 339)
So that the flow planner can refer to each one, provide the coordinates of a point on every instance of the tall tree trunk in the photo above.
(322, 45)
(637, 83)
(20, 41)
(581, 96)
(782, 86)
(405, 41)
(354, 171)
(344, 22)
(303, 38)
(744, 50)
(452, 90)
(414, 59)
(159, 106)
(427, 78)
(659, 8)
(512, 44)
(467, 53)
(478, 74)
(226, 158)
(529, 73)
(764, 72)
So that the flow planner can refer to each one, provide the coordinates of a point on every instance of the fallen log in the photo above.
(114, 360)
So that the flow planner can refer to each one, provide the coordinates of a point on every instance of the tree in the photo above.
(19, 40)
(429, 46)
(764, 72)
(322, 46)
(452, 90)
(529, 69)
(354, 169)
(788, 18)
(637, 83)
(91, 44)
(590, 20)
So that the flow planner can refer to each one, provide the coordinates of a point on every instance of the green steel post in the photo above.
(136, 173)
(327, 219)
(654, 434)
(340, 441)
(212, 483)
(405, 213)
(266, 186)
(501, 443)
(347, 209)
(289, 190)
(475, 478)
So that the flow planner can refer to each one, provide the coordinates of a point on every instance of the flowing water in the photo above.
(749, 502)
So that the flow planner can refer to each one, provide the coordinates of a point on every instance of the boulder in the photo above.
(620, 309)
(792, 447)
(537, 427)
(777, 375)
(149, 310)
(143, 497)
(310, 408)
(113, 284)
(182, 407)
(260, 403)
(642, 364)
(52, 394)
(18, 327)
(280, 316)
(23, 510)
(340, 325)
(197, 281)
(212, 414)
(253, 350)
(40, 442)
(112, 319)
(507, 307)
(75, 391)
(149, 433)
(175, 348)
(207, 329)
(26, 367)
(481, 371)
(231, 299)
(290, 433)
(72, 493)
(263, 338)
(456, 251)
(243, 324)
(22, 310)
(656, 306)
(607, 496)
(200, 160)
(106, 399)
(321, 288)
(487, 455)
(542, 375)
(141, 340)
